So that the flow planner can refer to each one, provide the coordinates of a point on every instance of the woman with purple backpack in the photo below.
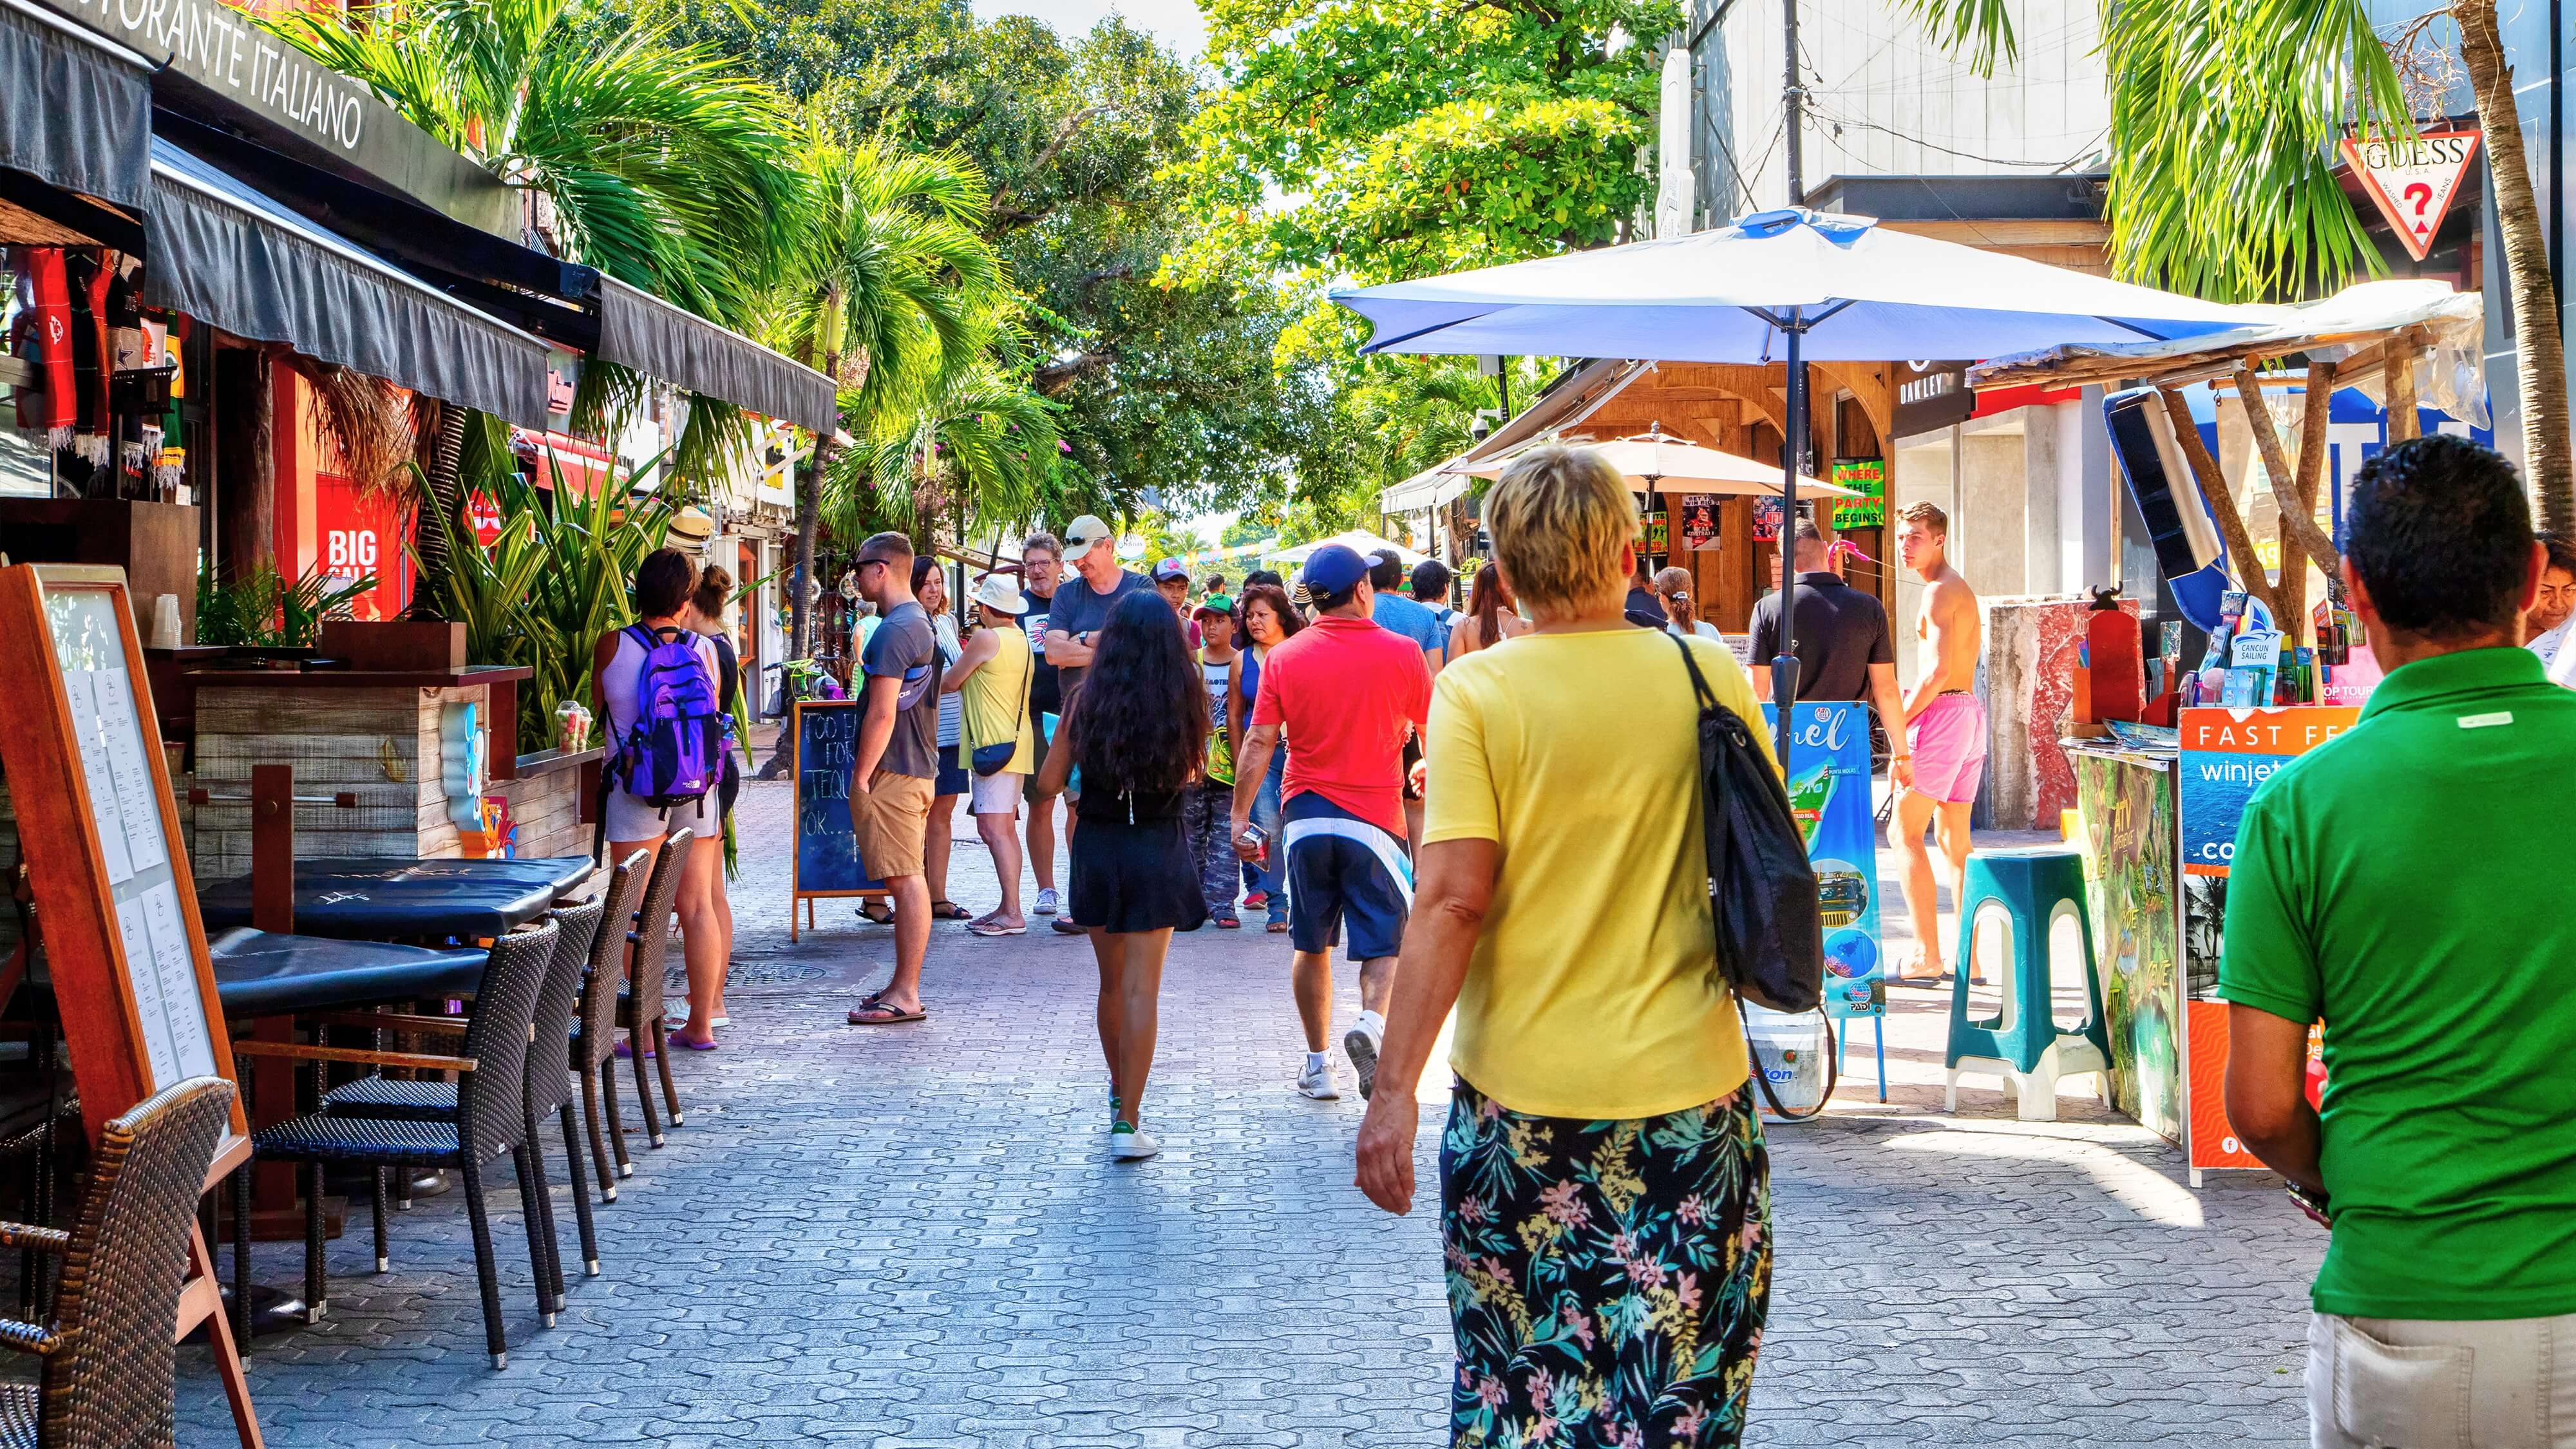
(664, 728)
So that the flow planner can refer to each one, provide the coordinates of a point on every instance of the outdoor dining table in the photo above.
(359, 898)
(258, 973)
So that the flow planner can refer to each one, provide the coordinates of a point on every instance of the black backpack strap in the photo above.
(1699, 682)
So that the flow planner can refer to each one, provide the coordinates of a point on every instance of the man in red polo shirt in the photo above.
(1346, 691)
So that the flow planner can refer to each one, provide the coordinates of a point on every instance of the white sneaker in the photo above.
(1321, 1083)
(1360, 1045)
(1132, 1145)
(1046, 904)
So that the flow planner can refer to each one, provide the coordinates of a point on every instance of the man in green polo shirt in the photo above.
(2406, 883)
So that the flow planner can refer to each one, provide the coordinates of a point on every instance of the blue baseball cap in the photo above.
(1333, 569)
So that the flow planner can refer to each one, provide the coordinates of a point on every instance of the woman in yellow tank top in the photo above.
(991, 679)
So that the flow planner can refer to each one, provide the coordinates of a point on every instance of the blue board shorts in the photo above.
(1343, 870)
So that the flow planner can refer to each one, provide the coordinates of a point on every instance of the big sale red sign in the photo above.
(357, 535)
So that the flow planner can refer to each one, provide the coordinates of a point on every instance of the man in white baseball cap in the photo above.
(1081, 609)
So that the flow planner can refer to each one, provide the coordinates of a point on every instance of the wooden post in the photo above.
(272, 848)
(2222, 504)
(2295, 524)
(2397, 371)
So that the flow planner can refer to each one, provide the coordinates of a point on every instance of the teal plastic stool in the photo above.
(2033, 889)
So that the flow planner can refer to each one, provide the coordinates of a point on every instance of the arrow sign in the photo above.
(2413, 180)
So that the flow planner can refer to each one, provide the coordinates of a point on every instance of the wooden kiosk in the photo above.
(114, 894)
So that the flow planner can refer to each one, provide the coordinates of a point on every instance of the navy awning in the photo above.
(228, 255)
(677, 346)
(75, 108)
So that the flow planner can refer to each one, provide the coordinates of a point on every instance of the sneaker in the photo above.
(1127, 1144)
(1257, 901)
(1046, 905)
(1321, 1083)
(1360, 1043)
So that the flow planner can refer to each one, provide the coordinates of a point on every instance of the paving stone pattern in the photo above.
(911, 1236)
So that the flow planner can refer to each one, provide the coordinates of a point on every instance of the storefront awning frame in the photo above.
(75, 107)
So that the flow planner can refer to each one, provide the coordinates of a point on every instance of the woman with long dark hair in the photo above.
(1138, 731)
(1268, 621)
(1490, 619)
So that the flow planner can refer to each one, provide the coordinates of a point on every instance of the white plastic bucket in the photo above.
(1789, 1051)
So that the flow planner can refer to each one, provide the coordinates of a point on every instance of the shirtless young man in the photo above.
(1945, 729)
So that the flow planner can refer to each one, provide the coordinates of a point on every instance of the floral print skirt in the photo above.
(1607, 1280)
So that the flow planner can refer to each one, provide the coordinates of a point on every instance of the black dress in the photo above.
(1131, 864)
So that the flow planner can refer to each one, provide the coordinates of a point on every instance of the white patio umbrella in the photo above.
(1358, 540)
(1789, 286)
(1658, 462)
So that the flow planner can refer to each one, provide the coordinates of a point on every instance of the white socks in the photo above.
(1374, 1025)
(1316, 1061)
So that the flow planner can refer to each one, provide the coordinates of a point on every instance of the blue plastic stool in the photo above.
(2024, 1045)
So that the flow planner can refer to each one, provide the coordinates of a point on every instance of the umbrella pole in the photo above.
(1784, 665)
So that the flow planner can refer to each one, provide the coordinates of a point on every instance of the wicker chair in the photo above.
(549, 1091)
(491, 1121)
(594, 1034)
(639, 1009)
(106, 1382)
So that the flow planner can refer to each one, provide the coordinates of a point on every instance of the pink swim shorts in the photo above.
(1949, 743)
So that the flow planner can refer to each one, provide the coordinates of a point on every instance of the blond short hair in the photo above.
(1559, 517)
(1930, 516)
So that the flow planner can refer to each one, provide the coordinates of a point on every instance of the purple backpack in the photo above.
(674, 752)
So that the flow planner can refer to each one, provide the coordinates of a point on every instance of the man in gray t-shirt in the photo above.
(904, 647)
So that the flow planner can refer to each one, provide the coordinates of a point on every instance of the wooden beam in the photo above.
(2222, 504)
(2397, 371)
(2296, 524)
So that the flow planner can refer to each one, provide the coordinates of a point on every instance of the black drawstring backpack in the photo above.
(1770, 946)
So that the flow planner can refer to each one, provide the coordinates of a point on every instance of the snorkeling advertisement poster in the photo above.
(1829, 795)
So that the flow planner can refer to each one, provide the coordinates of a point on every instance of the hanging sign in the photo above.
(2413, 181)
(483, 515)
(1868, 478)
(1766, 520)
(1699, 521)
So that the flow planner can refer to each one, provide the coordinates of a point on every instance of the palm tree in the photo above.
(660, 166)
(892, 277)
(981, 446)
(2224, 119)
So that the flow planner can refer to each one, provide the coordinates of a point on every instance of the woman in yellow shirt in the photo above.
(991, 679)
(1605, 1196)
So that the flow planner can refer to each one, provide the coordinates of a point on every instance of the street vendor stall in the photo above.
(2278, 675)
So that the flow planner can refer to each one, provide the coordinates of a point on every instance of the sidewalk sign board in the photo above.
(1829, 793)
(115, 898)
(825, 863)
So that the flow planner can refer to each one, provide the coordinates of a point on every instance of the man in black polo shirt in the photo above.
(1844, 648)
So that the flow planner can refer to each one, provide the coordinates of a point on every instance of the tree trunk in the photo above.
(437, 512)
(2540, 363)
(2222, 504)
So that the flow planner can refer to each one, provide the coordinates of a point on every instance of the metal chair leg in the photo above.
(470, 1176)
(241, 1258)
(316, 1276)
(541, 1213)
(580, 1193)
(376, 1207)
(638, 1041)
(532, 1216)
(590, 1119)
(616, 1121)
(662, 1069)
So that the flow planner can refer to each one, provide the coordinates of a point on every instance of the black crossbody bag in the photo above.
(989, 759)
(1770, 943)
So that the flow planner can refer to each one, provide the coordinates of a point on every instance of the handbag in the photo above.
(989, 759)
(1769, 930)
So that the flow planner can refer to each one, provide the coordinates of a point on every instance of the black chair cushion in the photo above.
(358, 1139)
(386, 1097)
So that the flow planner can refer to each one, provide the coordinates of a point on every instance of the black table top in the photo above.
(400, 899)
(561, 872)
(258, 974)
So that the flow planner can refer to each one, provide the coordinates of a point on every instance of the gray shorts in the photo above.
(631, 818)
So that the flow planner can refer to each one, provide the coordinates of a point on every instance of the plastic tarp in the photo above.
(75, 109)
(232, 258)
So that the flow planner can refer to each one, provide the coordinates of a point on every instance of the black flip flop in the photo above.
(885, 920)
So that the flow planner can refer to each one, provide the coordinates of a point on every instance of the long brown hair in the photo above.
(1485, 601)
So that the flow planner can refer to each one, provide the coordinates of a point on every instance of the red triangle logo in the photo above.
(2413, 180)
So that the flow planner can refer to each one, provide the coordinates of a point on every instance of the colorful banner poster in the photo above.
(1869, 477)
(1699, 521)
(2127, 807)
(2226, 753)
(1766, 520)
(1829, 793)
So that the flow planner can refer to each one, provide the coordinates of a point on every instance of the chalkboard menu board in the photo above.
(827, 846)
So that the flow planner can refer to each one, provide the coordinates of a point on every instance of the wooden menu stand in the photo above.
(109, 867)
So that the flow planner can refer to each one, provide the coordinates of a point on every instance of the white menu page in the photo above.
(125, 786)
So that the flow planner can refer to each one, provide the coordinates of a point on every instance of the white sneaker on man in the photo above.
(1318, 1080)
(1360, 1044)
(1132, 1144)
(1046, 902)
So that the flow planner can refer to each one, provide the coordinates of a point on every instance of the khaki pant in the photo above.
(890, 818)
(2407, 1383)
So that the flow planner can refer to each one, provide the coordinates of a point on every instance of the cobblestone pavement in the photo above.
(910, 1237)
